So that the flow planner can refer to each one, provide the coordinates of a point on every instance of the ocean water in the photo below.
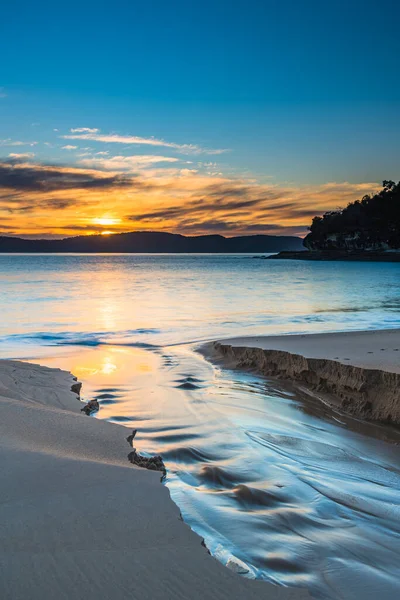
(272, 479)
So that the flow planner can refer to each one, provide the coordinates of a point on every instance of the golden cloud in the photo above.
(38, 199)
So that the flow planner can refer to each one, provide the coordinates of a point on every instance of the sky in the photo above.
(194, 117)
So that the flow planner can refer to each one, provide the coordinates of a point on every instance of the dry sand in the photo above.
(366, 349)
(358, 371)
(79, 521)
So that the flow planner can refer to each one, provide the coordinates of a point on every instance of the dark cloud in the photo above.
(279, 229)
(204, 205)
(4, 226)
(308, 212)
(223, 204)
(235, 197)
(158, 215)
(32, 178)
(36, 236)
(221, 191)
(61, 203)
(233, 227)
(52, 203)
(66, 232)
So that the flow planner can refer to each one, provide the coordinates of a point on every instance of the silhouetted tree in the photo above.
(367, 224)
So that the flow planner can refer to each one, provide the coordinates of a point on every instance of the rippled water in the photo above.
(299, 495)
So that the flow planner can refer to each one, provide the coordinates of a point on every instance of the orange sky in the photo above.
(130, 193)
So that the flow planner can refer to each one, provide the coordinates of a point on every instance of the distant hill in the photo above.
(152, 241)
(368, 225)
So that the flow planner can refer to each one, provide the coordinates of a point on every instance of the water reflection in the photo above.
(266, 475)
(167, 299)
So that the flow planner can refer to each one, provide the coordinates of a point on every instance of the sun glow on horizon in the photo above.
(106, 221)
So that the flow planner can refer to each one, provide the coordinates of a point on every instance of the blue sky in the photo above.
(297, 94)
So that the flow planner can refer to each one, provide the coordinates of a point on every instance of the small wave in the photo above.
(189, 383)
(251, 497)
(176, 437)
(188, 386)
(112, 390)
(344, 309)
(188, 455)
(92, 339)
(218, 477)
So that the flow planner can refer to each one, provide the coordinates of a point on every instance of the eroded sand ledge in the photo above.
(318, 362)
(78, 520)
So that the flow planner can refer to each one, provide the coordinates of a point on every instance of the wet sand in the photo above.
(79, 521)
(301, 495)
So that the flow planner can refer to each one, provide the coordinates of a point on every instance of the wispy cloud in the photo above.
(10, 142)
(126, 163)
(3, 92)
(83, 130)
(114, 138)
(25, 155)
(69, 147)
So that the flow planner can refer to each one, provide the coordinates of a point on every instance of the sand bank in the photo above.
(358, 372)
(79, 521)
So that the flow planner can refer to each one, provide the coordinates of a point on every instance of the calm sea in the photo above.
(165, 299)
(271, 478)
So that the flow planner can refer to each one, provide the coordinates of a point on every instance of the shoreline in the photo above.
(80, 520)
(337, 255)
(356, 372)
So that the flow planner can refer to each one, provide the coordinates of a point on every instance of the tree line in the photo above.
(372, 223)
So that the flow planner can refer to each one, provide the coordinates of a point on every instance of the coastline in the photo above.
(314, 255)
(79, 520)
(356, 372)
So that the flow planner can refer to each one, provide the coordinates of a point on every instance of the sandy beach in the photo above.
(79, 521)
(358, 372)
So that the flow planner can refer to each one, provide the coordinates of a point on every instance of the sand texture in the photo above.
(78, 520)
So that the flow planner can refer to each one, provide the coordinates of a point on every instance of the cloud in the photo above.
(114, 138)
(2, 92)
(69, 147)
(196, 207)
(44, 198)
(10, 142)
(27, 177)
(45, 203)
(83, 130)
(26, 155)
(230, 227)
(237, 205)
(126, 163)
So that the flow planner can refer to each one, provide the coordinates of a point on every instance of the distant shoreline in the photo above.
(337, 255)
(152, 242)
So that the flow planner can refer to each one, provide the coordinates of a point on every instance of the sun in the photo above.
(107, 232)
(106, 221)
